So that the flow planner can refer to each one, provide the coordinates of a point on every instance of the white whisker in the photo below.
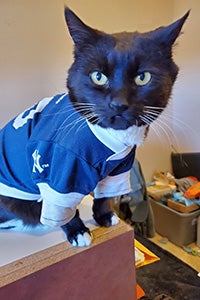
(169, 130)
(81, 126)
(154, 107)
(158, 134)
(71, 125)
(93, 118)
(151, 117)
(155, 114)
(154, 128)
(74, 123)
(145, 120)
(180, 124)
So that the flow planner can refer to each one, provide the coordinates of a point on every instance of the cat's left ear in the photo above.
(168, 35)
(79, 31)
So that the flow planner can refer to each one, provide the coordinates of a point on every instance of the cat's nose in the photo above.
(118, 105)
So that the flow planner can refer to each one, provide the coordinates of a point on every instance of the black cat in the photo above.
(65, 147)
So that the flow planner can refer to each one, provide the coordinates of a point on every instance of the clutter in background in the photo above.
(182, 194)
(176, 207)
(179, 228)
(198, 231)
(191, 251)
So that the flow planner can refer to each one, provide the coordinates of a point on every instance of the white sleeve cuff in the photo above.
(57, 208)
(112, 186)
(54, 215)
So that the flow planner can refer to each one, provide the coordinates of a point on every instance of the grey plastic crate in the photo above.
(179, 228)
(198, 232)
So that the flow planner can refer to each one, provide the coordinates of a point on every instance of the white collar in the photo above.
(119, 140)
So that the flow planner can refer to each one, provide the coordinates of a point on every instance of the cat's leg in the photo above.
(103, 212)
(77, 233)
(16, 213)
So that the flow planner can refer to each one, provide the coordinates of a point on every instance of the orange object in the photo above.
(194, 178)
(193, 191)
(139, 292)
(150, 257)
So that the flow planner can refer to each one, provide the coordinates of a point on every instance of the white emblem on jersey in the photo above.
(36, 163)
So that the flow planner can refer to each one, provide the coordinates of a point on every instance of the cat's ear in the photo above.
(79, 31)
(168, 35)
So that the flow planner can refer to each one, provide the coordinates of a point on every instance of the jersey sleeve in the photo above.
(113, 186)
(63, 180)
(117, 182)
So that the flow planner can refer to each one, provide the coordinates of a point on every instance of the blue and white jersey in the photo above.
(51, 154)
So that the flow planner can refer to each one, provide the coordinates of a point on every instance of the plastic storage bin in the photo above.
(179, 228)
(198, 232)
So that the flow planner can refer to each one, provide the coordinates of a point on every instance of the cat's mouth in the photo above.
(119, 122)
(120, 118)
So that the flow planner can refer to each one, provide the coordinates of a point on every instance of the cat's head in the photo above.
(122, 79)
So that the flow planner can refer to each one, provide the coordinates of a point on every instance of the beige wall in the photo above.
(36, 52)
(186, 100)
(33, 58)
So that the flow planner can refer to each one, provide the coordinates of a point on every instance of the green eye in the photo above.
(142, 78)
(99, 78)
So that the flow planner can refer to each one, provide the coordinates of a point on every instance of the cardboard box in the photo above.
(179, 228)
(158, 191)
(181, 207)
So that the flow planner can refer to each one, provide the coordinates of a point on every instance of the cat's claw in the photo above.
(77, 233)
(107, 220)
(114, 219)
(82, 240)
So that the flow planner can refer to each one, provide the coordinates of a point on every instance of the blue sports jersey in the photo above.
(50, 153)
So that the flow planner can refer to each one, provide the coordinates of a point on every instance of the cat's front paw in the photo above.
(77, 233)
(107, 220)
(78, 237)
(81, 239)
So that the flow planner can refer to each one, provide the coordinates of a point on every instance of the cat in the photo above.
(70, 145)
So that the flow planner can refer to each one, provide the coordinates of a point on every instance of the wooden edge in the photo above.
(180, 207)
(35, 262)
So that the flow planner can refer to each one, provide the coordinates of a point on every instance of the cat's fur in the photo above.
(121, 82)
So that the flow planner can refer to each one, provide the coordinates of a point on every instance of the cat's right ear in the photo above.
(167, 35)
(79, 31)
